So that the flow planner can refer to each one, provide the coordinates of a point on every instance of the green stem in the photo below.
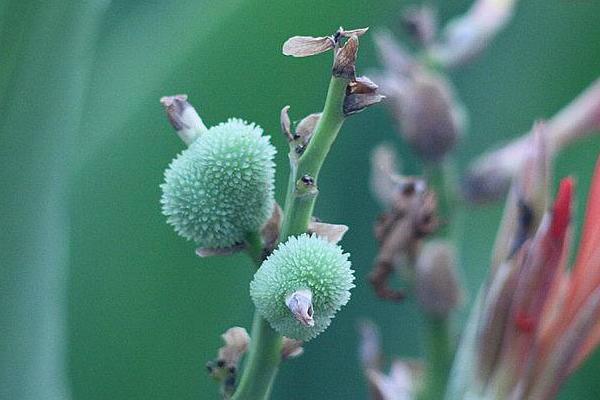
(439, 358)
(263, 362)
(300, 204)
(443, 178)
(265, 348)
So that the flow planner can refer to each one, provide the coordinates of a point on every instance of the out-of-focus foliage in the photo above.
(99, 297)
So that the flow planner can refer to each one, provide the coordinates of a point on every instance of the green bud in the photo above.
(302, 285)
(221, 187)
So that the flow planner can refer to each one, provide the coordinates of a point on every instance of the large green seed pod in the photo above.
(305, 269)
(221, 187)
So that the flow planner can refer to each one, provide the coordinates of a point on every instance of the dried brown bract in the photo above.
(300, 137)
(270, 232)
(344, 64)
(400, 231)
(305, 46)
(360, 94)
(291, 348)
(224, 368)
(332, 232)
(183, 117)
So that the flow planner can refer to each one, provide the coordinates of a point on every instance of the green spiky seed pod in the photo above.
(221, 187)
(305, 271)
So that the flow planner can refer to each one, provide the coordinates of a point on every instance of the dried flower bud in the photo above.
(299, 139)
(429, 115)
(306, 128)
(304, 132)
(286, 124)
(183, 117)
(221, 187)
(270, 231)
(236, 344)
(430, 118)
(344, 63)
(360, 94)
(437, 285)
(332, 232)
(400, 232)
(224, 368)
(291, 348)
(302, 265)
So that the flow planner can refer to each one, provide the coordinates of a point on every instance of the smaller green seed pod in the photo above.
(221, 187)
(302, 285)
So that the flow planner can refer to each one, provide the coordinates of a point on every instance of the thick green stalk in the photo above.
(439, 349)
(265, 348)
(263, 362)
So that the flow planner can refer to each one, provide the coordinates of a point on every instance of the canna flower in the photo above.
(535, 320)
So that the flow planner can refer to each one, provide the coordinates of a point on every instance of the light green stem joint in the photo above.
(265, 346)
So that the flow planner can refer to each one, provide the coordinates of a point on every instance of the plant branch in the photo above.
(265, 346)
(301, 196)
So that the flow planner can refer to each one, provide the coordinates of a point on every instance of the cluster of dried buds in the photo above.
(427, 268)
(410, 216)
(535, 320)
(430, 117)
(361, 92)
(224, 369)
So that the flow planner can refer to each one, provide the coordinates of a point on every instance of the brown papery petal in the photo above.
(305, 46)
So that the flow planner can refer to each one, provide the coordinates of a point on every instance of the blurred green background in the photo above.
(99, 299)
